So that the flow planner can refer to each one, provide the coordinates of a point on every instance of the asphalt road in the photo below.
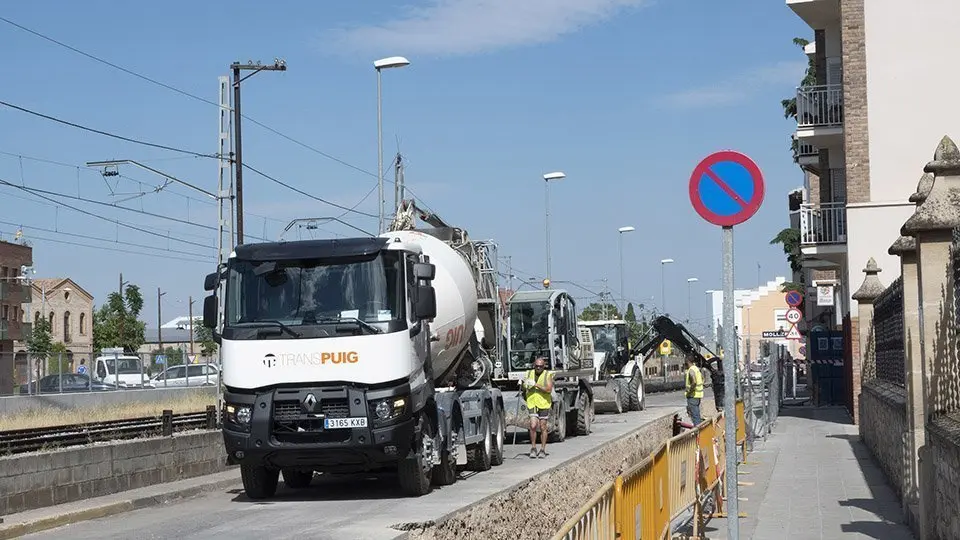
(360, 508)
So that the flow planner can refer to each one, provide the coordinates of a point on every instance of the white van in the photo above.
(123, 370)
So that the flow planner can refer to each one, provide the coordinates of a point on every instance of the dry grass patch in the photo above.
(51, 416)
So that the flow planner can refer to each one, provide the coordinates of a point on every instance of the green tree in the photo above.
(790, 104)
(58, 361)
(595, 312)
(116, 323)
(204, 335)
(40, 341)
(789, 239)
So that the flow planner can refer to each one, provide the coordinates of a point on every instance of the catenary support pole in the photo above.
(730, 384)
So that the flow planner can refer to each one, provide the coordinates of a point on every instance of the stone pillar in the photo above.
(905, 247)
(932, 225)
(865, 296)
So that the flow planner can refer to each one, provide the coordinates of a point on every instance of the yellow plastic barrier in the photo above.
(596, 520)
(741, 423)
(641, 502)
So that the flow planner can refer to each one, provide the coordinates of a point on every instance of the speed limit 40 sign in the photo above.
(794, 316)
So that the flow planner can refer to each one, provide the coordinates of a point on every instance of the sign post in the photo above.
(727, 189)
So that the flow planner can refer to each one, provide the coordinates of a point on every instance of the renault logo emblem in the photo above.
(309, 403)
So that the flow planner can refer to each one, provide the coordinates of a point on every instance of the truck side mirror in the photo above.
(425, 271)
(426, 307)
(210, 312)
(211, 281)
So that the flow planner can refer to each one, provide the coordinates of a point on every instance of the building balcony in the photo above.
(818, 14)
(15, 292)
(806, 155)
(15, 330)
(823, 229)
(819, 114)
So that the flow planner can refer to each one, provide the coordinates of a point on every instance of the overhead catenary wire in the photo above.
(205, 261)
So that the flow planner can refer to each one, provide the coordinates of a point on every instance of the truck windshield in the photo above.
(122, 366)
(529, 333)
(604, 338)
(307, 293)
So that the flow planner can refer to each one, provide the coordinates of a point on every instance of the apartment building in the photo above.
(884, 96)
(13, 294)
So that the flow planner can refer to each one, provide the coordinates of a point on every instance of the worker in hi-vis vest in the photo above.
(539, 385)
(694, 389)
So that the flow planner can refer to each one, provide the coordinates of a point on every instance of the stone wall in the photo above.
(944, 440)
(856, 144)
(883, 425)
(49, 478)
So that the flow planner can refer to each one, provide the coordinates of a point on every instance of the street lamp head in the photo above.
(554, 176)
(692, 280)
(666, 261)
(626, 229)
(391, 62)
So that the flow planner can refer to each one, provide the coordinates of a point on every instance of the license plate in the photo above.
(344, 423)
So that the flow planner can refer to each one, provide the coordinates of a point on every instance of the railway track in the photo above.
(20, 441)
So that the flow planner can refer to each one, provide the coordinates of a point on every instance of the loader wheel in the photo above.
(259, 482)
(638, 398)
(621, 386)
(415, 471)
(479, 458)
(584, 414)
(560, 430)
(499, 437)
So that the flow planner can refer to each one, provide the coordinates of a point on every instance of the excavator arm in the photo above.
(663, 328)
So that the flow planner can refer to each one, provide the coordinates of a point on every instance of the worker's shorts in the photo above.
(542, 414)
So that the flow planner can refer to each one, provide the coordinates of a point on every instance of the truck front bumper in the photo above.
(288, 428)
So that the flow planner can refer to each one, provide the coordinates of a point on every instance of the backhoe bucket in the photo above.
(607, 397)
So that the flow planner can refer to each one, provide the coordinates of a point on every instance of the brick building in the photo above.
(68, 308)
(13, 294)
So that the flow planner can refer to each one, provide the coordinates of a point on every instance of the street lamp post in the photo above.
(622, 230)
(663, 289)
(380, 65)
(546, 191)
(690, 282)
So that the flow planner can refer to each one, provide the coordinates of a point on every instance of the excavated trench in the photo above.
(537, 508)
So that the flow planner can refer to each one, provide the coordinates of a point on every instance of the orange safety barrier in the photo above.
(741, 423)
(595, 520)
(642, 502)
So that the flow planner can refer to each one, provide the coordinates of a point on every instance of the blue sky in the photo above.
(624, 96)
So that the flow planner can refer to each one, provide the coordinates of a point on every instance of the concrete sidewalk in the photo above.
(813, 479)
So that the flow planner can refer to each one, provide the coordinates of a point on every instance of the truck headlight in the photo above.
(239, 414)
(389, 409)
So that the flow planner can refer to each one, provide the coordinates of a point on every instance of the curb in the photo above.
(16, 530)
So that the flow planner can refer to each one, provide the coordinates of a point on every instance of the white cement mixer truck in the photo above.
(360, 355)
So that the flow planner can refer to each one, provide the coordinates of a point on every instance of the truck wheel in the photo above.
(480, 454)
(500, 437)
(415, 471)
(297, 479)
(259, 482)
(445, 473)
(584, 415)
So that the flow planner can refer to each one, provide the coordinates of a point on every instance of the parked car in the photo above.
(187, 375)
(66, 382)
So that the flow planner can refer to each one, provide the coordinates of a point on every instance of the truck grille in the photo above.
(293, 425)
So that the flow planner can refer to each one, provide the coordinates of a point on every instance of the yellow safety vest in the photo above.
(537, 398)
(694, 382)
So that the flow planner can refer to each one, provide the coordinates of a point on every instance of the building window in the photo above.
(50, 321)
(6, 312)
(66, 327)
(83, 324)
(36, 318)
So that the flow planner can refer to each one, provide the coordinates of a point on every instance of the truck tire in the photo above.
(479, 458)
(297, 479)
(500, 437)
(584, 414)
(622, 400)
(445, 473)
(413, 472)
(259, 482)
(638, 397)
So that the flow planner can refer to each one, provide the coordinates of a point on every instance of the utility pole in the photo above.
(159, 322)
(278, 65)
(123, 308)
(396, 183)
(190, 311)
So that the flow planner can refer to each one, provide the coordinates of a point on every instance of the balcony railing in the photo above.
(823, 223)
(15, 292)
(820, 106)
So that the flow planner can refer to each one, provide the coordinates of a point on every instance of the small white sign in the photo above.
(824, 295)
(794, 333)
(794, 316)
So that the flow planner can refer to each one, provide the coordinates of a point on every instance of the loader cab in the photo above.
(542, 323)
(320, 289)
(611, 346)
